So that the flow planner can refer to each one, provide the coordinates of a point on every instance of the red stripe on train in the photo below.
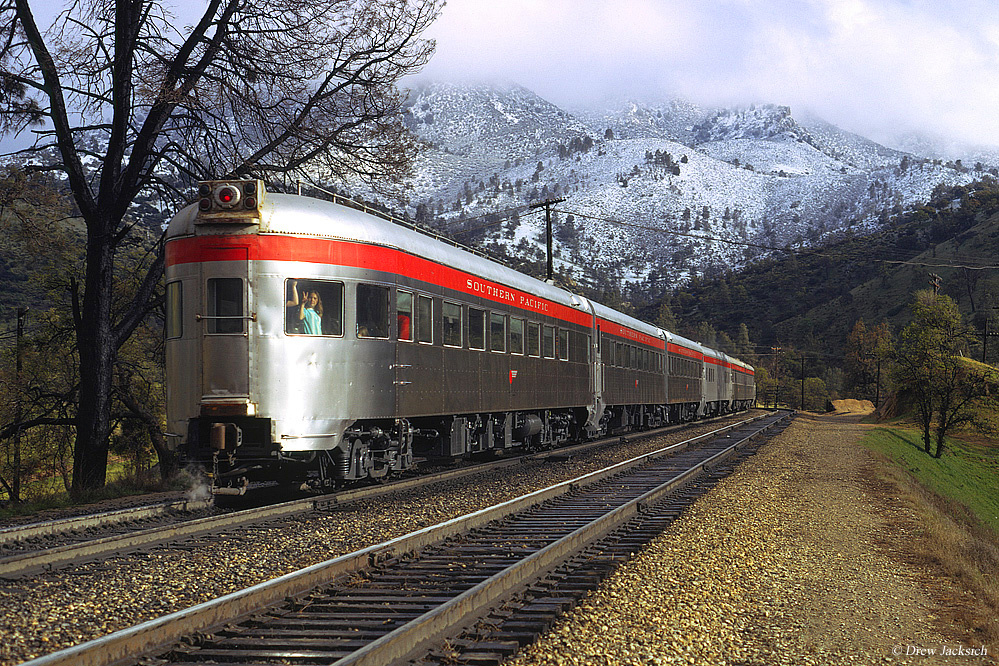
(620, 331)
(360, 255)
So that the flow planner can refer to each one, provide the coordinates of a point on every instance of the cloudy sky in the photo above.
(878, 67)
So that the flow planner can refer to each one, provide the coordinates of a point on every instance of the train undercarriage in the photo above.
(238, 451)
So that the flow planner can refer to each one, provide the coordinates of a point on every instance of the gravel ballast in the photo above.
(797, 558)
(67, 607)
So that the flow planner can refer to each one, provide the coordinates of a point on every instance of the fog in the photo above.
(876, 67)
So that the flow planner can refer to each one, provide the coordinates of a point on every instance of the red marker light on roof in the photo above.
(227, 196)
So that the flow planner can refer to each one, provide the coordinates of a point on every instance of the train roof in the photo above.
(307, 216)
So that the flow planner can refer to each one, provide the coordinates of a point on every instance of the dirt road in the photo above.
(797, 558)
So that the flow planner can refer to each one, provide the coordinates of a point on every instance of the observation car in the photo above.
(310, 341)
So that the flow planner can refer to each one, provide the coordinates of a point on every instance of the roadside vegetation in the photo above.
(309, 90)
(956, 500)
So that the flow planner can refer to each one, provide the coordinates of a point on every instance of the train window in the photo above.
(174, 310)
(548, 341)
(452, 324)
(476, 328)
(563, 344)
(404, 315)
(425, 319)
(533, 338)
(372, 311)
(225, 305)
(314, 307)
(497, 332)
(579, 347)
(516, 335)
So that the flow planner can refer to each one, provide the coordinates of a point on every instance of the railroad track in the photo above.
(400, 600)
(29, 549)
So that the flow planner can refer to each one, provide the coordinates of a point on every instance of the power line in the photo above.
(889, 255)
(820, 252)
(671, 232)
(942, 265)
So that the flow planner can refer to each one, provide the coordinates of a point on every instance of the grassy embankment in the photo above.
(956, 499)
(43, 492)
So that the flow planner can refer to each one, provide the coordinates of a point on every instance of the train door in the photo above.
(225, 320)
(418, 360)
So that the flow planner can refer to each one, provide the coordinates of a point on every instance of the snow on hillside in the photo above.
(667, 187)
(635, 119)
(490, 122)
(766, 122)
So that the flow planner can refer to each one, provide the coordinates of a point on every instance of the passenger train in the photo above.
(314, 342)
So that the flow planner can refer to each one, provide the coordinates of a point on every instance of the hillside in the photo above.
(663, 190)
(812, 299)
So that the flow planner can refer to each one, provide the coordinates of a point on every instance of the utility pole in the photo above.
(935, 282)
(547, 205)
(776, 351)
(985, 337)
(802, 381)
(18, 408)
(877, 387)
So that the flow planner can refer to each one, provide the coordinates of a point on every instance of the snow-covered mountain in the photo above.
(666, 190)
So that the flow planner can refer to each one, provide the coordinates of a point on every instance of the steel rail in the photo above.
(31, 562)
(87, 521)
(161, 633)
(411, 639)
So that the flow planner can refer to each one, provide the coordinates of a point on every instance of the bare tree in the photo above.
(132, 101)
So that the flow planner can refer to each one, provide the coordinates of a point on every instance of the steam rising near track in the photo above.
(197, 486)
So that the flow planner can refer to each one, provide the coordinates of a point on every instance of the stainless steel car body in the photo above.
(531, 362)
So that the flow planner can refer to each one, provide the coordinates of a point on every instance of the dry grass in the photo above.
(952, 544)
